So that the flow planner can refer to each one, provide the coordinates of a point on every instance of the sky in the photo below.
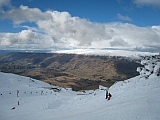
(72, 24)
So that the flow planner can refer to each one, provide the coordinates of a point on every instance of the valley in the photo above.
(79, 72)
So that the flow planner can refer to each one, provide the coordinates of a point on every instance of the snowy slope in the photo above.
(137, 98)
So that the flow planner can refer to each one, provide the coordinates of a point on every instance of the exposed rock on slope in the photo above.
(151, 65)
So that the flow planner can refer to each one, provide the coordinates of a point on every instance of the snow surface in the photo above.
(137, 98)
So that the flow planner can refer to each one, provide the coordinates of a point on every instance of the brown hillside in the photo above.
(80, 72)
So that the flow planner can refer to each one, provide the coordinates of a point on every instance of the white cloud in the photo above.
(25, 14)
(25, 39)
(123, 18)
(131, 36)
(118, 42)
(4, 3)
(63, 25)
(60, 29)
(147, 2)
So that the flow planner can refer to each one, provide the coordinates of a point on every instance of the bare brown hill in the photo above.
(79, 72)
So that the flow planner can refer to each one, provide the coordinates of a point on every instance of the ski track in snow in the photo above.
(133, 99)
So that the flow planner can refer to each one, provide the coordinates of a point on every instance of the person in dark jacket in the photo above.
(109, 96)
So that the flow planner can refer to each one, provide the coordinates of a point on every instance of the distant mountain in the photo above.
(80, 72)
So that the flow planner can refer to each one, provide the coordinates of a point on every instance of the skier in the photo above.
(109, 96)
